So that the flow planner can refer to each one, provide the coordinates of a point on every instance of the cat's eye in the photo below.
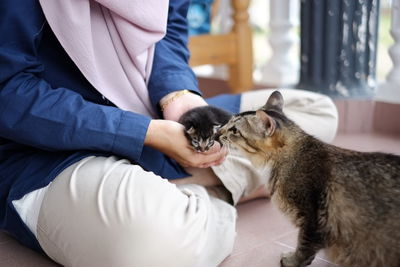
(233, 129)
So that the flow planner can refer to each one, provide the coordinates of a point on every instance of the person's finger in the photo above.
(217, 162)
(184, 164)
(204, 159)
(213, 159)
(196, 159)
(214, 149)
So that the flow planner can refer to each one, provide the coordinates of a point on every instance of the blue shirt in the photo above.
(51, 116)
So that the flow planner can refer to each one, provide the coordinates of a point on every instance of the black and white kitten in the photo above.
(201, 125)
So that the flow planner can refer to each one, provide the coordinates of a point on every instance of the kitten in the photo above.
(201, 125)
(344, 201)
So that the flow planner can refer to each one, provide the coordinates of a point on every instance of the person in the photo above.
(94, 168)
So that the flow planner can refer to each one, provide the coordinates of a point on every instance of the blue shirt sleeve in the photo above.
(171, 71)
(35, 114)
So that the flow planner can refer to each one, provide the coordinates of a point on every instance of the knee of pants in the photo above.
(197, 232)
(127, 217)
(181, 230)
(150, 238)
(172, 231)
(160, 243)
(169, 233)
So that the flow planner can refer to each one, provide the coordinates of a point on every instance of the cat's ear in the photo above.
(267, 121)
(190, 131)
(216, 128)
(275, 101)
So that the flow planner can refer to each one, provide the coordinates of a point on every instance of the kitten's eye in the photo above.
(195, 142)
(209, 145)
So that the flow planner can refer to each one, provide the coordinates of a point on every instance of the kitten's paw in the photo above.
(289, 259)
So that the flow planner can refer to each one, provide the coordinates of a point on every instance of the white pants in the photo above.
(107, 212)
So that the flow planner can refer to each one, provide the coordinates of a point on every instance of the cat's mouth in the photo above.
(221, 138)
(220, 143)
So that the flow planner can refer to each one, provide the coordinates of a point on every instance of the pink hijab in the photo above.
(112, 43)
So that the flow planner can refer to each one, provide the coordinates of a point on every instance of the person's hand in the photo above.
(179, 105)
(168, 137)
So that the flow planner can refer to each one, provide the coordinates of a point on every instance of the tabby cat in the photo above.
(344, 201)
(201, 125)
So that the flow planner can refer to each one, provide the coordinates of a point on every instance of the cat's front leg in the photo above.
(308, 244)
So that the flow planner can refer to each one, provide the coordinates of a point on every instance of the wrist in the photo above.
(174, 109)
(159, 133)
(153, 132)
(171, 97)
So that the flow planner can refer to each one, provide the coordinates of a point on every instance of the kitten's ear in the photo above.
(275, 101)
(267, 121)
(190, 131)
(216, 128)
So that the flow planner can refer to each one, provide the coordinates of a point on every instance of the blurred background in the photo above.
(259, 19)
(347, 49)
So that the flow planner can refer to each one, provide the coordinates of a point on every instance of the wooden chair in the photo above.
(233, 49)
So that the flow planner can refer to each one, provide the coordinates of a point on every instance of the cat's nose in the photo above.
(218, 134)
(219, 138)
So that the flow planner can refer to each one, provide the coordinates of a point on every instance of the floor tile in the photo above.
(266, 255)
(263, 219)
(4, 238)
(290, 240)
(15, 254)
(369, 142)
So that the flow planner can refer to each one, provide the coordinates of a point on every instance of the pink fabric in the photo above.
(112, 43)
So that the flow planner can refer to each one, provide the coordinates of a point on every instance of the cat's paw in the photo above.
(289, 259)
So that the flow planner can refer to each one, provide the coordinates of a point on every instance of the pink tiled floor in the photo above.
(263, 233)
(12, 254)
